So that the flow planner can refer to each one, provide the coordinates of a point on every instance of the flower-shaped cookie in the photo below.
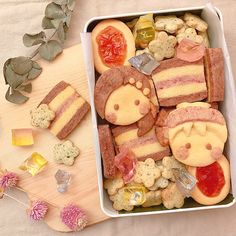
(168, 23)
(191, 34)
(172, 197)
(113, 185)
(42, 116)
(65, 153)
(147, 172)
(120, 202)
(163, 46)
(168, 164)
(205, 38)
(159, 183)
(153, 198)
(195, 22)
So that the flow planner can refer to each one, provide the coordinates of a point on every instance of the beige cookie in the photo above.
(153, 198)
(113, 185)
(163, 46)
(197, 134)
(139, 52)
(168, 163)
(169, 23)
(120, 202)
(205, 38)
(159, 183)
(172, 197)
(147, 172)
(190, 34)
(195, 22)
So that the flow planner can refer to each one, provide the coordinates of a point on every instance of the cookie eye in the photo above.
(136, 102)
(208, 146)
(188, 145)
(116, 107)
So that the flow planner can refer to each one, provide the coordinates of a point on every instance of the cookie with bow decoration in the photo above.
(122, 96)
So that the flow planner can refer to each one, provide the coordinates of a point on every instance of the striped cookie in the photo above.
(107, 151)
(143, 147)
(178, 81)
(69, 107)
(214, 67)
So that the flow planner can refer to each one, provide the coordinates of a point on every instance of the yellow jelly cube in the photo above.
(22, 137)
(135, 195)
(34, 164)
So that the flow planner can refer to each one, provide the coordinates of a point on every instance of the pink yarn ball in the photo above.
(74, 217)
(38, 210)
(8, 180)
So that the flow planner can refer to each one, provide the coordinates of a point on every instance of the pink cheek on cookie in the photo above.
(182, 153)
(143, 108)
(111, 117)
(216, 153)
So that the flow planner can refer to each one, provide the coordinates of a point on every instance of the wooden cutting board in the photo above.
(83, 189)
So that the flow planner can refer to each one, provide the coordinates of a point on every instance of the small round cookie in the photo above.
(113, 185)
(213, 182)
(113, 44)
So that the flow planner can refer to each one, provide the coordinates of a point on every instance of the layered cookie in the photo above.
(107, 151)
(214, 70)
(179, 81)
(143, 147)
(69, 108)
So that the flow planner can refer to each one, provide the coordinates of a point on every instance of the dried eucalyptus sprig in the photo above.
(19, 71)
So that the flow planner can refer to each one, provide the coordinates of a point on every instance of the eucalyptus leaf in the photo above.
(56, 22)
(25, 87)
(33, 39)
(60, 2)
(34, 73)
(15, 96)
(10, 75)
(61, 33)
(68, 17)
(71, 4)
(54, 11)
(21, 65)
(47, 23)
(50, 50)
(6, 64)
(36, 65)
(19, 81)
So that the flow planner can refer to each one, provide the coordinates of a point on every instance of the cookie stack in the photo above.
(154, 124)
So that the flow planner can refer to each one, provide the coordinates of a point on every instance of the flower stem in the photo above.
(22, 203)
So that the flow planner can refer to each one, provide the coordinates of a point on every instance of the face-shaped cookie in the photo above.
(122, 95)
(196, 134)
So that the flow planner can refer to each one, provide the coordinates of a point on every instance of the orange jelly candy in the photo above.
(112, 47)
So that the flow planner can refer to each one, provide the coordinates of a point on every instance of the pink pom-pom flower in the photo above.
(8, 180)
(74, 217)
(38, 210)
